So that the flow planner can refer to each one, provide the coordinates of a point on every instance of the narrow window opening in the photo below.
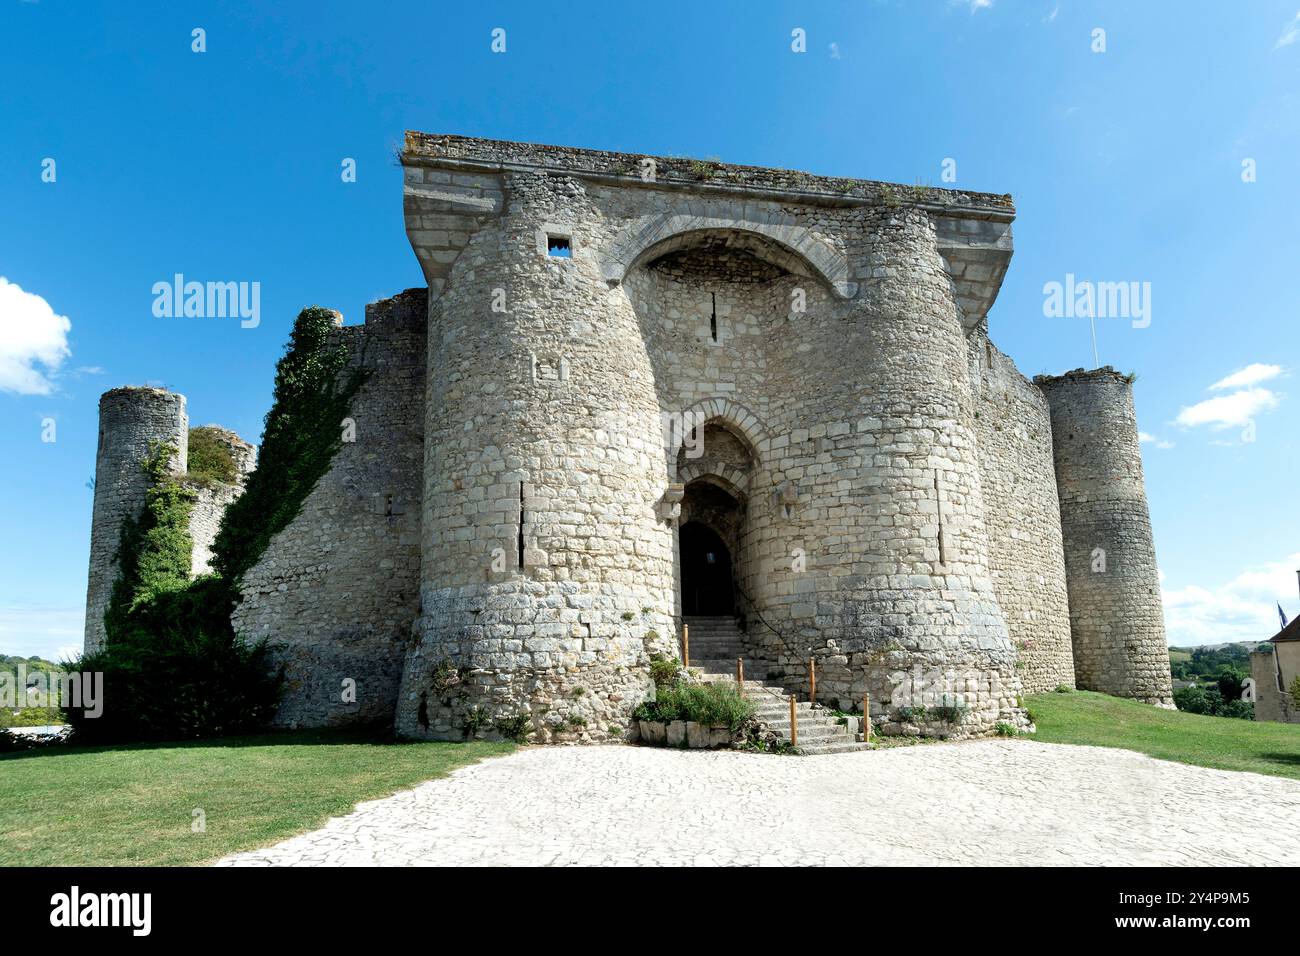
(988, 354)
(559, 246)
(520, 543)
(713, 317)
(938, 501)
(388, 506)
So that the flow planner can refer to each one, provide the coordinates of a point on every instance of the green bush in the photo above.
(174, 669)
(1004, 729)
(516, 728)
(1210, 702)
(718, 704)
(950, 713)
(1230, 680)
(208, 457)
(663, 671)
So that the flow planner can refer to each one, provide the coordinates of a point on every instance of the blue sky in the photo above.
(1126, 165)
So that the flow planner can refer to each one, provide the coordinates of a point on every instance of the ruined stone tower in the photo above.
(638, 389)
(1110, 562)
(131, 421)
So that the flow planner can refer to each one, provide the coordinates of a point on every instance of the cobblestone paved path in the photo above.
(992, 802)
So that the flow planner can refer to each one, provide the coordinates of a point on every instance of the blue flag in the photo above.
(1281, 613)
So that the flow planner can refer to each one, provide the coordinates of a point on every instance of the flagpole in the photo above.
(1096, 362)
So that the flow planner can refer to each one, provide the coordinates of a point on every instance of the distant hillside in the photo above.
(25, 716)
(31, 664)
(1206, 662)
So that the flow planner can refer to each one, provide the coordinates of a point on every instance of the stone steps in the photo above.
(716, 642)
(714, 648)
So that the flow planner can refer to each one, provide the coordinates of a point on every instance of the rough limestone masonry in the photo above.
(638, 389)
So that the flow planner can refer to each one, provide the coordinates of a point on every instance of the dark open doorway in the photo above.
(707, 587)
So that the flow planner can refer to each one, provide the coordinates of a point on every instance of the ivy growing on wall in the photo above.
(302, 434)
(153, 554)
(173, 666)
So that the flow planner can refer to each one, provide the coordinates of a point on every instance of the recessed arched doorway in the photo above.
(707, 585)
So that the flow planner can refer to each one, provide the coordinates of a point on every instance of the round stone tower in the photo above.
(1116, 619)
(545, 565)
(131, 420)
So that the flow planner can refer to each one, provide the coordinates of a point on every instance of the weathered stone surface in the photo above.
(1116, 618)
(799, 364)
(336, 591)
(131, 421)
(1022, 514)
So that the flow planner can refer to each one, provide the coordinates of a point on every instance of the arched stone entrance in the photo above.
(709, 545)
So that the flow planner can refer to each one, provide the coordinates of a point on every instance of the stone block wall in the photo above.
(497, 549)
(549, 381)
(336, 591)
(1116, 617)
(1022, 513)
(131, 420)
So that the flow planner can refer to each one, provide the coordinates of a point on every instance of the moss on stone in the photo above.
(209, 458)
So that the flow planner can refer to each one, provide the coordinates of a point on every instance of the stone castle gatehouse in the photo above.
(640, 390)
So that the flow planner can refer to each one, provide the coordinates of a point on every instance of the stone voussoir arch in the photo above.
(730, 480)
(729, 414)
(651, 231)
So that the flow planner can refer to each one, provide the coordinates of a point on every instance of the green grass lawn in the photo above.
(1083, 717)
(133, 805)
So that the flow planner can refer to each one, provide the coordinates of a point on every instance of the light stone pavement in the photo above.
(988, 802)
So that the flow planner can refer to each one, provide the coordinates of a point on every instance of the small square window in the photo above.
(559, 246)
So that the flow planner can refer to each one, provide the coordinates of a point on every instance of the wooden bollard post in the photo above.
(740, 674)
(686, 645)
(794, 724)
(812, 680)
(866, 718)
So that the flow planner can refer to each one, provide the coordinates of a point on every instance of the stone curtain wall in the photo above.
(337, 590)
(1116, 618)
(544, 421)
(1023, 516)
(210, 502)
(130, 420)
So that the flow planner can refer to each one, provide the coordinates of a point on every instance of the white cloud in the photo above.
(1252, 374)
(31, 334)
(53, 633)
(1290, 33)
(1149, 439)
(1243, 609)
(1052, 16)
(977, 5)
(1228, 410)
